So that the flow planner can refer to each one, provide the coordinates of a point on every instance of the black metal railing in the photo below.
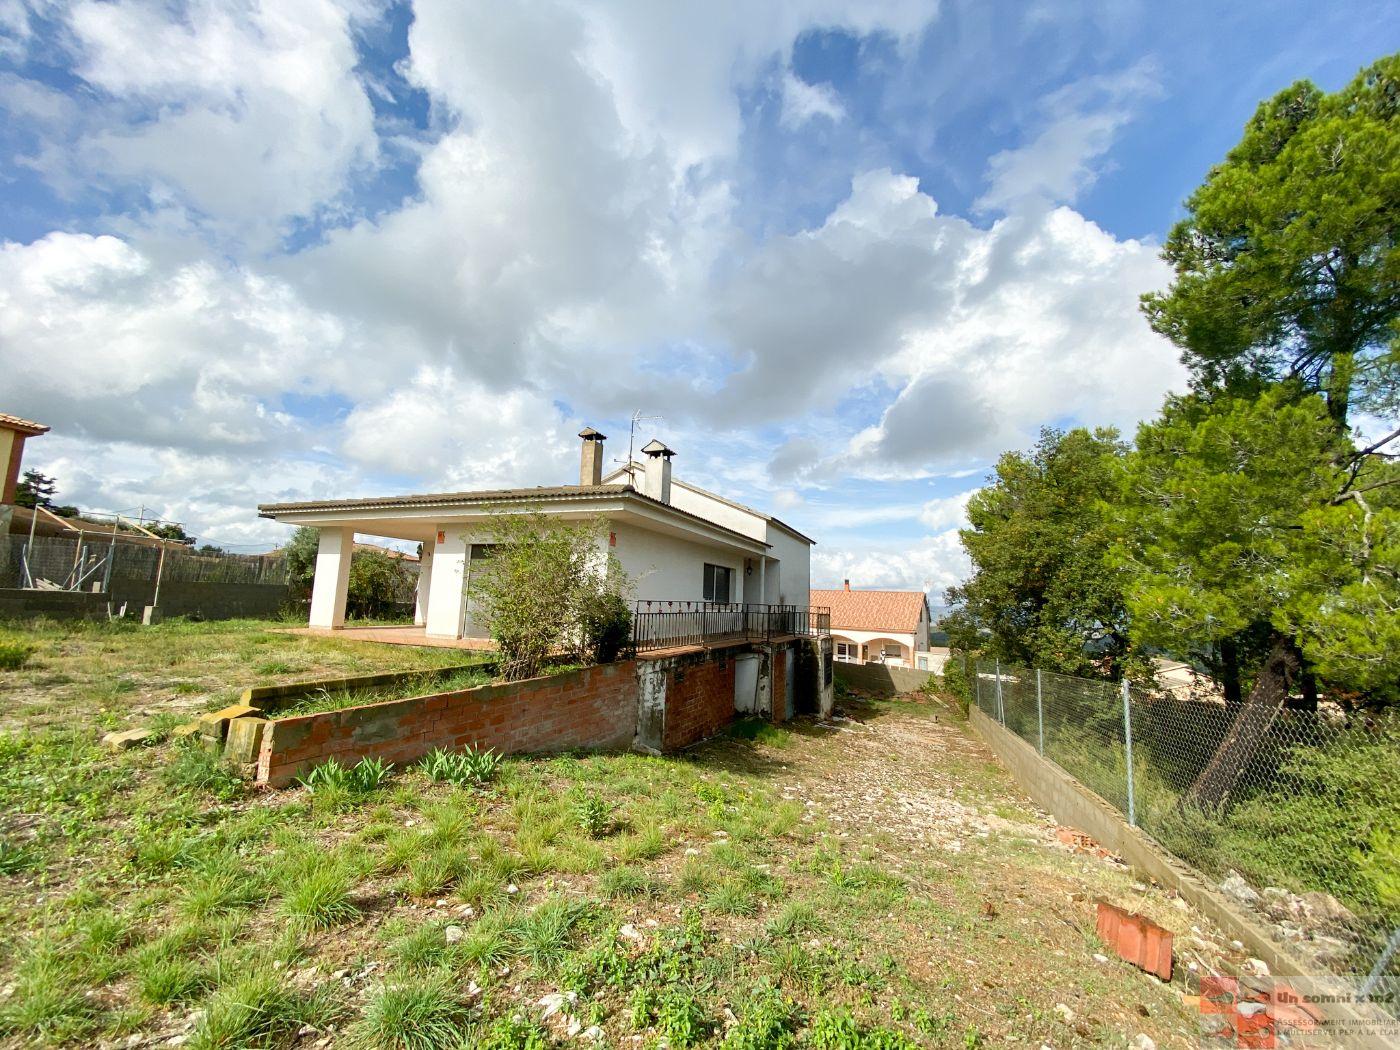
(673, 624)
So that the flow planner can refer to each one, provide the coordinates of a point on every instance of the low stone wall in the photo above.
(594, 708)
(880, 679)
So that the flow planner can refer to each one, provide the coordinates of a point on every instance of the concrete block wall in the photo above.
(592, 708)
(879, 679)
(778, 680)
(18, 603)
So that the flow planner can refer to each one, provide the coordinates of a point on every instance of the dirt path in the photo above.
(1011, 904)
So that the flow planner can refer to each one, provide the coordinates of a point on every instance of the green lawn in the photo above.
(876, 885)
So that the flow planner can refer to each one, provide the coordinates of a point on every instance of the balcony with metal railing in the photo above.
(679, 624)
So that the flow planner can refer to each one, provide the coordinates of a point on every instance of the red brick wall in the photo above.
(595, 707)
(699, 699)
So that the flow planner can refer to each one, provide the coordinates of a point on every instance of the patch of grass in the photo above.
(257, 1009)
(162, 980)
(220, 893)
(16, 857)
(420, 1014)
(14, 655)
(545, 935)
(761, 731)
(320, 898)
(49, 1002)
(430, 874)
(200, 769)
(769, 1021)
(796, 918)
(626, 881)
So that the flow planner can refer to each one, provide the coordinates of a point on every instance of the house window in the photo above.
(717, 582)
(847, 652)
(923, 663)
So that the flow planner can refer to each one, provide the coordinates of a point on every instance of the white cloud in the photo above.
(931, 564)
(252, 115)
(1081, 122)
(803, 102)
(463, 435)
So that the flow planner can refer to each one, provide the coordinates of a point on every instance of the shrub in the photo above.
(13, 655)
(541, 587)
(606, 623)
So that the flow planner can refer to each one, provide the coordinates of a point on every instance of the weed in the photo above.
(420, 1014)
(359, 779)
(466, 768)
(796, 918)
(48, 1001)
(320, 898)
(15, 858)
(732, 897)
(768, 1022)
(592, 814)
(838, 1030)
(513, 1033)
(431, 873)
(680, 1018)
(14, 655)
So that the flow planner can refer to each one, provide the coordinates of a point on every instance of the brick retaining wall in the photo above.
(592, 708)
(699, 698)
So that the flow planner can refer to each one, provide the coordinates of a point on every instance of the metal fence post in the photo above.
(1001, 707)
(1128, 744)
(1039, 712)
(977, 681)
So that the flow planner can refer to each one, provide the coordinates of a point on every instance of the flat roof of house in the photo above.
(872, 610)
(24, 426)
(722, 499)
(484, 497)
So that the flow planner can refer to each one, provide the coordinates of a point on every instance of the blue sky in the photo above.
(847, 251)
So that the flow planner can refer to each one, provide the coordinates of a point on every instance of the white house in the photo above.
(886, 627)
(676, 541)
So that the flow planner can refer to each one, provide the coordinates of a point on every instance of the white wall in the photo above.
(789, 583)
(878, 637)
(666, 568)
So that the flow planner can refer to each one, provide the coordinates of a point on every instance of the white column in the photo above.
(425, 583)
(445, 610)
(763, 580)
(332, 579)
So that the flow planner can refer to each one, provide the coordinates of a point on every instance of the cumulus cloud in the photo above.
(569, 250)
(1081, 121)
(931, 564)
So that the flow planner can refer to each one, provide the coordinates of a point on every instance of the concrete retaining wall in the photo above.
(1075, 805)
(880, 679)
(18, 603)
(593, 708)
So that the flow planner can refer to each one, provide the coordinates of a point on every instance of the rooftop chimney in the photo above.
(657, 483)
(847, 583)
(590, 469)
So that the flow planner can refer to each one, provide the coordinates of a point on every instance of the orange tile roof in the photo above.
(872, 610)
(24, 426)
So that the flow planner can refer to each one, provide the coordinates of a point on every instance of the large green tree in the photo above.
(1042, 592)
(1250, 518)
(1287, 264)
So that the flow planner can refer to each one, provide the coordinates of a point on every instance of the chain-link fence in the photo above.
(1293, 814)
(95, 561)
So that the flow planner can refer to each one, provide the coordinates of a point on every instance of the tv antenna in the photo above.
(637, 417)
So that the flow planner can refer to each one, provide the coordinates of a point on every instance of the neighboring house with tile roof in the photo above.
(879, 627)
(678, 543)
(13, 433)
